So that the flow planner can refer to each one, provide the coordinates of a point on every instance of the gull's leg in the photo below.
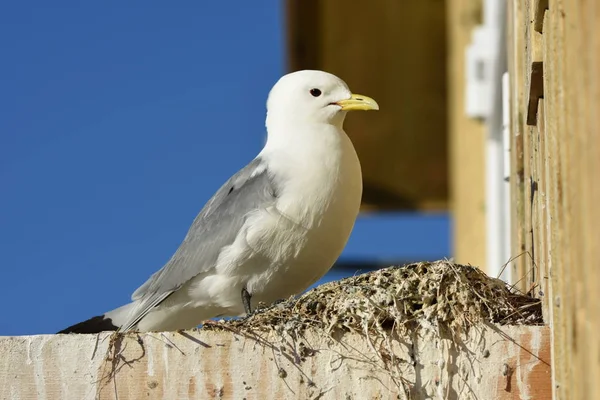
(246, 301)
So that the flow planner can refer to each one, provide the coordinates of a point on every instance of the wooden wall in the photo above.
(467, 142)
(554, 63)
(394, 52)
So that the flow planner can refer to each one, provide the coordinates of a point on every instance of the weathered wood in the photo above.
(491, 362)
(516, 64)
(561, 160)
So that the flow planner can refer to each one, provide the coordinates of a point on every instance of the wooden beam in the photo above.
(500, 362)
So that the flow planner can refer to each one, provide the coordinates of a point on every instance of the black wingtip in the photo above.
(93, 325)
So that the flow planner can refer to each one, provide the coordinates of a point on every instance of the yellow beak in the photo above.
(358, 102)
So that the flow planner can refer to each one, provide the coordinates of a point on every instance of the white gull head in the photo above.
(313, 97)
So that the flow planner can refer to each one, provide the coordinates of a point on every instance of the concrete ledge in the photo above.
(490, 362)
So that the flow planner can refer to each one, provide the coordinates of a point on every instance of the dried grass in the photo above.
(438, 293)
(391, 308)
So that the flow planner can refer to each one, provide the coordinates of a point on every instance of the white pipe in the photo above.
(496, 218)
(494, 204)
(485, 67)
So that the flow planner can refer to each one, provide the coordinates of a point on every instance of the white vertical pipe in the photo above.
(506, 139)
(494, 175)
(485, 68)
(497, 233)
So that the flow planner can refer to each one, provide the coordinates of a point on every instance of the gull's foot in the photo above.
(246, 297)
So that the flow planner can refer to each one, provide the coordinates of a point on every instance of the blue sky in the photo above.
(118, 123)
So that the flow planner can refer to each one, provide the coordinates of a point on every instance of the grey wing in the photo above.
(215, 227)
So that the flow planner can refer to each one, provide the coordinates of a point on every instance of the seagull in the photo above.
(273, 229)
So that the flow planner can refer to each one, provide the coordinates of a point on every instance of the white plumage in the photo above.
(274, 228)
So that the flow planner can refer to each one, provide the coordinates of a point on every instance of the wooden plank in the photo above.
(582, 32)
(527, 90)
(553, 105)
(499, 362)
(572, 385)
(535, 88)
(539, 205)
(562, 155)
(516, 69)
(592, 234)
(561, 273)
(467, 143)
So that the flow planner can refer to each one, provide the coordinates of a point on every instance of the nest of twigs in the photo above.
(437, 293)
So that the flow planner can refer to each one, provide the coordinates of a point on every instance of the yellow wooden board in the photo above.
(395, 52)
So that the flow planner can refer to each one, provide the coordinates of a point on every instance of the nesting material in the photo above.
(426, 294)
(419, 331)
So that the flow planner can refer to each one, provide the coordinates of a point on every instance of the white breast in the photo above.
(313, 218)
(284, 249)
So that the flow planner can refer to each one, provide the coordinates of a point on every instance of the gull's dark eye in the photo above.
(315, 92)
